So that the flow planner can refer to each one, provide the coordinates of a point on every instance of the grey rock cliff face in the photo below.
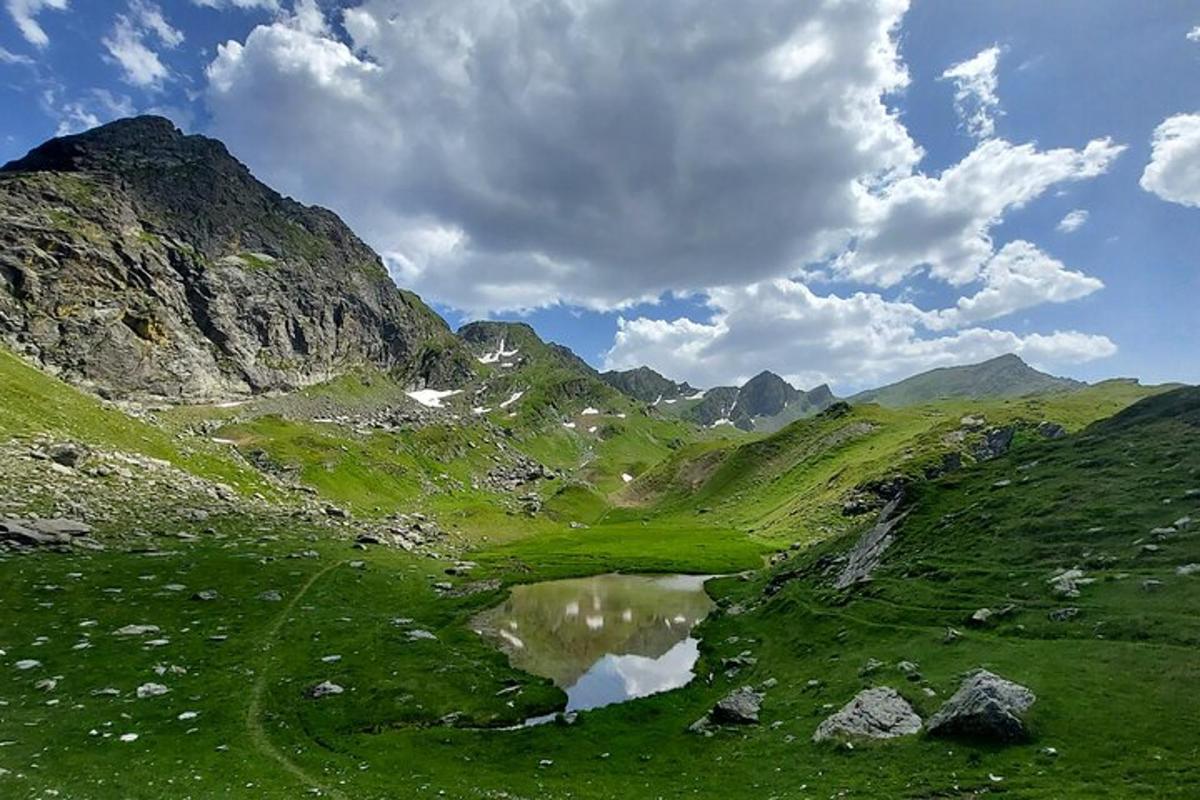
(139, 262)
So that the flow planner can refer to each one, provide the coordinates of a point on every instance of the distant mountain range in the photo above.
(764, 403)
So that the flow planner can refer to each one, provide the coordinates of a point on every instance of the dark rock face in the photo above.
(996, 443)
(140, 262)
(718, 404)
(986, 706)
(646, 385)
(765, 395)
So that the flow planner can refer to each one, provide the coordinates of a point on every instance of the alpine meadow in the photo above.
(594, 399)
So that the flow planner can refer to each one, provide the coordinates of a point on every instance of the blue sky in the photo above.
(712, 192)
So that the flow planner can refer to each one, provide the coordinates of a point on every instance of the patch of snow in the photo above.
(593, 429)
(657, 400)
(622, 415)
(720, 422)
(230, 404)
(570, 425)
(514, 398)
(698, 395)
(496, 357)
(480, 410)
(672, 401)
(219, 440)
(590, 412)
(625, 476)
(432, 398)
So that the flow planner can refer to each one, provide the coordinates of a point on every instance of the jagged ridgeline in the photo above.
(763, 404)
(140, 262)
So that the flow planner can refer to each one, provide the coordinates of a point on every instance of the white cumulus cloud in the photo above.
(504, 155)
(1194, 34)
(127, 44)
(944, 223)
(588, 152)
(25, 13)
(1174, 169)
(1073, 221)
(850, 342)
(975, 97)
(266, 5)
(1019, 276)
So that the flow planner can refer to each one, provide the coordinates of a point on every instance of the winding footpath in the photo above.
(254, 726)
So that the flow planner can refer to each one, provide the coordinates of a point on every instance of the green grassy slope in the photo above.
(1112, 682)
(1003, 376)
(789, 486)
(33, 403)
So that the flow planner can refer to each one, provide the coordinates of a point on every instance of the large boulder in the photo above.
(877, 713)
(739, 707)
(985, 706)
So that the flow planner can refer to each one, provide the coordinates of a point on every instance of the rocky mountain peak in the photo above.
(765, 395)
(139, 261)
(647, 385)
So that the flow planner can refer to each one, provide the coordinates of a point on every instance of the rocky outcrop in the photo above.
(140, 262)
(868, 551)
(31, 533)
(646, 385)
(877, 713)
(986, 706)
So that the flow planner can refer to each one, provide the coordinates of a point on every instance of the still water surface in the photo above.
(604, 639)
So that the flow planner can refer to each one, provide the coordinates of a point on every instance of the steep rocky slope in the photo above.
(647, 385)
(140, 262)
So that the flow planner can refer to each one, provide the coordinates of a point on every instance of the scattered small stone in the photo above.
(27, 663)
(324, 689)
(1064, 614)
(420, 635)
(271, 596)
(980, 618)
(136, 630)
(206, 595)
(151, 690)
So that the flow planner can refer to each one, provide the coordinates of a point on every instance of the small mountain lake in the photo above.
(604, 639)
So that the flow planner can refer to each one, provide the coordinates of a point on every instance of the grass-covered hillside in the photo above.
(250, 616)
(794, 485)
